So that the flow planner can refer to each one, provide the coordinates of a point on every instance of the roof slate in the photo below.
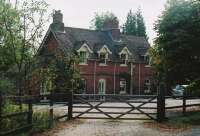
(73, 38)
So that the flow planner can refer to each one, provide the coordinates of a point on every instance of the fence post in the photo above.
(70, 104)
(184, 103)
(30, 111)
(51, 108)
(161, 103)
(1, 106)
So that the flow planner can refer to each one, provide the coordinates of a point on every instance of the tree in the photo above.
(141, 29)
(134, 24)
(130, 27)
(58, 73)
(99, 20)
(177, 44)
(22, 29)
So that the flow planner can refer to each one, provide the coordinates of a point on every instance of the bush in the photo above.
(40, 119)
(194, 88)
(13, 122)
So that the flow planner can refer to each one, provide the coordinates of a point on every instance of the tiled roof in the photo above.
(73, 38)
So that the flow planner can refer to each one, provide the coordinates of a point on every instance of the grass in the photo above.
(176, 124)
(40, 120)
(192, 118)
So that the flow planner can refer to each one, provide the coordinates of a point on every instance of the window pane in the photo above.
(83, 58)
(123, 58)
(102, 58)
(122, 86)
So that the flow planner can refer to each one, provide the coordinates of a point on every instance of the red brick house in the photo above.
(110, 62)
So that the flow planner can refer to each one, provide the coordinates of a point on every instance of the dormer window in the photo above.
(102, 58)
(147, 60)
(84, 52)
(124, 59)
(124, 55)
(103, 55)
(83, 57)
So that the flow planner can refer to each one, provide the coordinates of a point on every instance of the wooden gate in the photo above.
(110, 106)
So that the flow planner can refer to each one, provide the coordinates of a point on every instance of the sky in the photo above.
(79, 13)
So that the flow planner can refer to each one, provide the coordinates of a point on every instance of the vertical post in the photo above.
(30, 111)
(184, 103)
(161, 103)
(51, 108)
(70, 104)
(1, 105)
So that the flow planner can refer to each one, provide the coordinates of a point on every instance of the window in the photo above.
(147, 59)
(147, 82)
(124, 59)
(83, 86)
(102, 58)
(84, 52)
(83, 57)
(103, 55)
(147, 86)
(122, 86)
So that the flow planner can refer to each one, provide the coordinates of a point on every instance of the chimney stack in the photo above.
(112, 26)
(58, 24)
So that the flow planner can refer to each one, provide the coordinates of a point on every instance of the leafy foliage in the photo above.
(99, 19)
(176, 49)
(21, 30)
(59, 73)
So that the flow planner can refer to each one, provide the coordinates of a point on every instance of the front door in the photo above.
(102, 88)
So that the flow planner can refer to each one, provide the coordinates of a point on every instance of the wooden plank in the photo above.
(114, 118)
(60, 117)
(14, 114)
(113, 101)
(113, 112)
(115, 95)
(112, 107)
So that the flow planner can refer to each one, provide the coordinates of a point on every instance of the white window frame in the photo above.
(102, 85)
(84, 48)
(104, 50)
(148, 86)
(123, 83)
(125, 51)
(149, 60)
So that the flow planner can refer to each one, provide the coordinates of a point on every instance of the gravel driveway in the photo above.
(114, 128)
(117, 128)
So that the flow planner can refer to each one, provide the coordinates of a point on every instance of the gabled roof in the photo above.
(73, 38)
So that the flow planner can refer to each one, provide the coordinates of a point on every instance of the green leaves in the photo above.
(99, 19)
(178, 40)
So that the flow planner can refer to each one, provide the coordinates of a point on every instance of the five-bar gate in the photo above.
(110, 106)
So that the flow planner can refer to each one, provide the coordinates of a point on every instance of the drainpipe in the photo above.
(131, 84)
(139, 79)
(114, 78)
(94, 76)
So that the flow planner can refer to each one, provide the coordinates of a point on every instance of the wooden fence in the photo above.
(68, 99)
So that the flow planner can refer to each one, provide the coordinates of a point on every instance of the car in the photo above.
(178, 90)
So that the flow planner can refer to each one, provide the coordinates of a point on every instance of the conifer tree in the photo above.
(141, 29)
(130, 24)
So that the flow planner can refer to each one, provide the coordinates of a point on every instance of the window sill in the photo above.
(101, 64)
(123, 65)
(83, 64)
(147, 66)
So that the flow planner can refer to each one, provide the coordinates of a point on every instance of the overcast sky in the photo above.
(79, 13)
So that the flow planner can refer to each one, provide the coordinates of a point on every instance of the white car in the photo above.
(178, 90)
